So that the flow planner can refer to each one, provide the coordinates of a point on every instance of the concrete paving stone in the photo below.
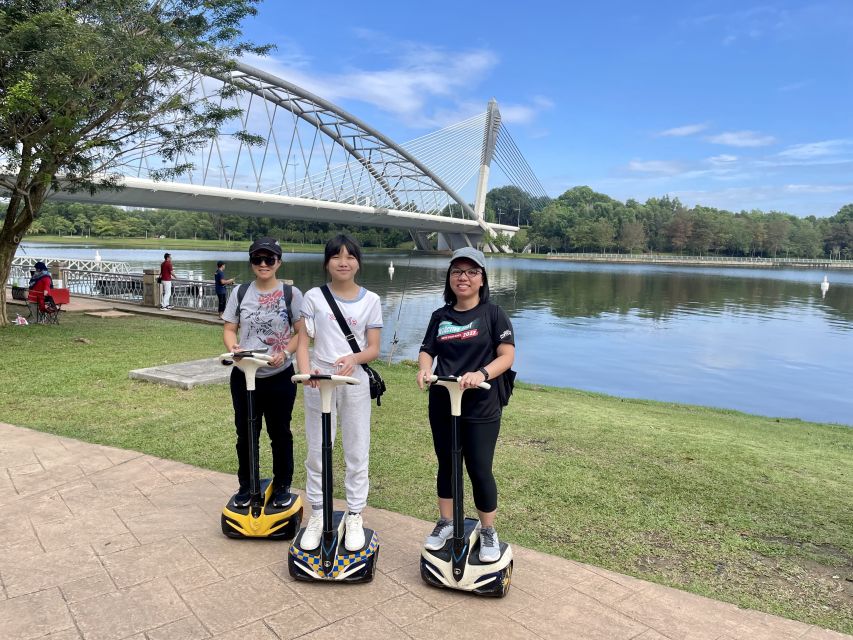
(651, 634)
(137, 472)
(200, 492)
(409, 578)
(85, 496)
(67, 634)
(570, 614)
(256, 630)
(88, 459)
(28, 573)
(514, 601)
(178, 472)
(16, 455)
(163, 524)
(631, 582)
(119, 542)
(34, 615)
(144, 563)
(96, 585)
(605, 589)
(336, 601)
(295, 621)
(238, 601)
(543, 576)
(364, 624)
(232, 557)
(7, 488)
(381, 520)
(815, 633)
(680, 615)
(15, 531)
(130, 611)
(36, 479)
(464, 626)
(48, 507)
(194, 578)
(406, 609)
(755, 625)
(87, 528)
(189, 628)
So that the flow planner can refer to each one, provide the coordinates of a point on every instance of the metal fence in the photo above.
(729, 260)
(194, 295)
(125, 287)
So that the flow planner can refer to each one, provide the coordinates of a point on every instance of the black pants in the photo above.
(274, 397)
(221, 297)
(478, 451)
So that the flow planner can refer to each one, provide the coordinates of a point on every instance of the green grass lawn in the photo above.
(747, 509)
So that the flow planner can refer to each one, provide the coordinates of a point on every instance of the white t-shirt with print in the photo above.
(263, 321)
(362, 313)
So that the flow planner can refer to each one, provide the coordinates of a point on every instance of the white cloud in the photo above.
(722, 159)
(812, 150)
(793, 86)
(818, 188)
(664, 167)
(742, 139)
(686, 130)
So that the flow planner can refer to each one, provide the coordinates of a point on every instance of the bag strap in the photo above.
(340, 318)
(288, 298)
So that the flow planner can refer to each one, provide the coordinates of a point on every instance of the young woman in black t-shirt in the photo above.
(472, 338)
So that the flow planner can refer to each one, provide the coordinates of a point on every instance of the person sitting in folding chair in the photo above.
(40, 284)
(53, 301)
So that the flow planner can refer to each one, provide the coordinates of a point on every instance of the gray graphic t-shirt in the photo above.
(263, 321)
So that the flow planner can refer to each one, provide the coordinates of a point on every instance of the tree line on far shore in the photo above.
(580, 220)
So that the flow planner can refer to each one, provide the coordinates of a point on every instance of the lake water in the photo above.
(758, 340)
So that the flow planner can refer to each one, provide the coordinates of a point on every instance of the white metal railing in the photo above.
(103, 266)
(126, 287)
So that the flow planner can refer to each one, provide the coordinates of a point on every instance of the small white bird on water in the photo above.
(824, 286)
(97, 256)
(391, 269)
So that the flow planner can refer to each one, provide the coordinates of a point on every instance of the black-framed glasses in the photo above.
(267, 260)
(471, 273)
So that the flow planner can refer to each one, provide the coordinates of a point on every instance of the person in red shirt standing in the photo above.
(166, 280)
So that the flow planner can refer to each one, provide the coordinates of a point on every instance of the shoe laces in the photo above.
(354, 519)
(489, 537)
(440, 525)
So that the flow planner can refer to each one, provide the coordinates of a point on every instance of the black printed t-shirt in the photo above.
(463, 341)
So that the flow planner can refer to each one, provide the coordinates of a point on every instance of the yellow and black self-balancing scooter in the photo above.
(330, 561)
(260, 518)
(457, 564)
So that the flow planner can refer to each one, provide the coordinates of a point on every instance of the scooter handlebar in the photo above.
(434, 378)
(257, 354)
(304, 377)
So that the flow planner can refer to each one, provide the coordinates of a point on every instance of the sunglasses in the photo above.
(267, 260)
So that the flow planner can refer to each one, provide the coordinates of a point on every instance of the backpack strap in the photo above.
(288, 298)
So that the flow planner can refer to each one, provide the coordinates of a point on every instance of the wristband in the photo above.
(484, 372)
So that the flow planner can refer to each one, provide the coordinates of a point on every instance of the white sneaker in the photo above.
(313, 532)
(354, 538)
(490, 546)
(440, 534)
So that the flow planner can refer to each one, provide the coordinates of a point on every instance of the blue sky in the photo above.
(727, 104)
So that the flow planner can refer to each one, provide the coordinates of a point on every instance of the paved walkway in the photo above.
(104, 544)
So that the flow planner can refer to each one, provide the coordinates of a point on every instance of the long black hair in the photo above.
(334, 246)
(450, 297)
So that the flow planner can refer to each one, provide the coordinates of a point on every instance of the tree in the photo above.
(632, 236)
(83, 84)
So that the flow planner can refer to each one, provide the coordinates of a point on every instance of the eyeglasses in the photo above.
(267, 260)
(471, 273)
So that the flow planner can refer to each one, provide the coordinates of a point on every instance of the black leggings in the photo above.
(478, 451)
(220, 297)
(274, 397)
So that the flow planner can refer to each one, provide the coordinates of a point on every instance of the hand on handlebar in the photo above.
(345, 365)
(424, 378)
(471, 380)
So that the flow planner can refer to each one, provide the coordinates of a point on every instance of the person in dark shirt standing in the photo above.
(221, 281)
(166, 272)
(472, 338)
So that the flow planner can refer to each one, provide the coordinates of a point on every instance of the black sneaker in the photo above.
(282, 498)
(242, 498)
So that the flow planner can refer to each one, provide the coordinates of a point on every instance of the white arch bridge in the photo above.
(319, 163)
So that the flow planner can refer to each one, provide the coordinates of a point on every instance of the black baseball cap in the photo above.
(266, 244)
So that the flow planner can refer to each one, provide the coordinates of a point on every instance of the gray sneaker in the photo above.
(440, 534)
(490, 546)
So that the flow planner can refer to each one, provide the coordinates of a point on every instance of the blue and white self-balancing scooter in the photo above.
(457, 564)
(261, 518)
(331, 561)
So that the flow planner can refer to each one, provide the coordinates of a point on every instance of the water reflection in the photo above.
(764, 341)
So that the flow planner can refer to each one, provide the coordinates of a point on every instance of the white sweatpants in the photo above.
(352, 404)
(167, 292)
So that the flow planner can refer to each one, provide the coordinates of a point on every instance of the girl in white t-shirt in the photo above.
(362, 311)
